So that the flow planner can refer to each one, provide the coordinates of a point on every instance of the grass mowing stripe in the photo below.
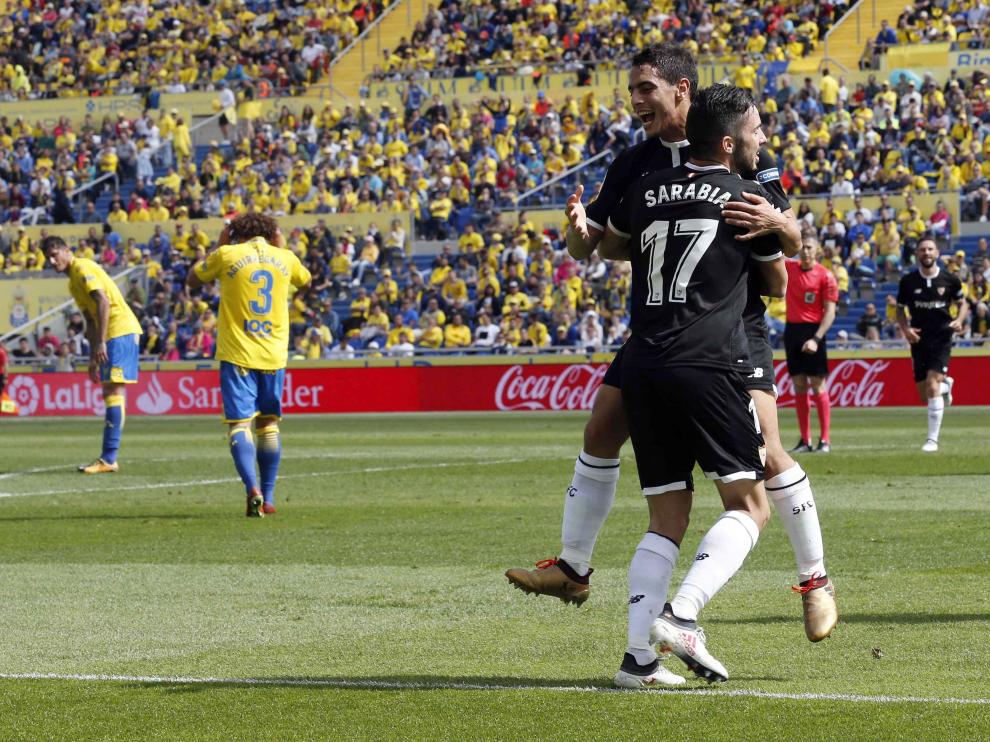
(345, 683)
(305, 475)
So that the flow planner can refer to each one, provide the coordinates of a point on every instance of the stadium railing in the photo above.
(78, 192)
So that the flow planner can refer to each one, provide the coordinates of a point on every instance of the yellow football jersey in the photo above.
(253, 331)
(86, 276)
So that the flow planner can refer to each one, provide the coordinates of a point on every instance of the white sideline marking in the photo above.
(38, 470)
(228, 480)
(345, 683)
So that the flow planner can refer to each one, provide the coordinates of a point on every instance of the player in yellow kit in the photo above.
(255, 272)
(114, 338)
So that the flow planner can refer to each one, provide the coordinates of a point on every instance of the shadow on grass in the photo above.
(414, 683)
(878, 618)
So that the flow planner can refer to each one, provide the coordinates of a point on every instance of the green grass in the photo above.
(385, 560)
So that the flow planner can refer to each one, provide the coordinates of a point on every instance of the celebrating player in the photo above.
(114, 341)
(811, 296)
(255, 272)
(662, 81)
(682, 386)
(927, 295)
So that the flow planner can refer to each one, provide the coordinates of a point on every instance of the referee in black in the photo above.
(924, 300)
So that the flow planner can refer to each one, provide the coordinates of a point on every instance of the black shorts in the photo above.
(613, 374)
(799, 363)
(930, 356)
(681, 416)
(224, 121)
(761, 356)
(3, 382)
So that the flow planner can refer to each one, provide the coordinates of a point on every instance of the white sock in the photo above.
(943, 388)
(795, 504)
(649, 579)
(720, 555)
(586, 506)
(936, 406)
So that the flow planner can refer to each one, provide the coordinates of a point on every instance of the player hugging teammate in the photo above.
(663, 81)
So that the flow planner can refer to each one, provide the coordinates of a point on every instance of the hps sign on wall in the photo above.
(858, 382)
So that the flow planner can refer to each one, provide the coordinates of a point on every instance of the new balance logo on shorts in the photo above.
(636, 599)
(571, 491)
(701, 557)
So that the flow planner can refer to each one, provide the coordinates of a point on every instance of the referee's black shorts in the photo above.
(932, 355)
(685, 415)
(799, 363)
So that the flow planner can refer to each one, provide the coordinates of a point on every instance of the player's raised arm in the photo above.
(582, 238)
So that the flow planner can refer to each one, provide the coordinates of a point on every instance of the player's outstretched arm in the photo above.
(582, 239)
(759, 217)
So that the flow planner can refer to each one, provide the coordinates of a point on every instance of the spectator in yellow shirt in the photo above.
(537, 335)
(360, 304)
(470, 241)
(828, 91)
(432, 336)
(515, 299)
(454, 291)
(457, 334)
(387, 289)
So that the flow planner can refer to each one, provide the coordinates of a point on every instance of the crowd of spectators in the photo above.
(455, 163)
(960, 22)
(914, 137)
(80, 48)
(509, 291)
(458, 39)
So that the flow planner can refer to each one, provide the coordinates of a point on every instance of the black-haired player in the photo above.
(662, 81)
(927, 294)
(684, 371)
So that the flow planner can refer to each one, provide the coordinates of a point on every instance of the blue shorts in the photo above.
(122, 360)
(249, 393)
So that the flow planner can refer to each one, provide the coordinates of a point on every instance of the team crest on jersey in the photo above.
(809, 297)
(940, 290)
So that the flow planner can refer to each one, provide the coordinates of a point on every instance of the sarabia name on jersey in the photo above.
(678, 192)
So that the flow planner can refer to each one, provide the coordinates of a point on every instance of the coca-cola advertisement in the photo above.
(856, 382)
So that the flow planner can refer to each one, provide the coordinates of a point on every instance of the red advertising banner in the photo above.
(857, 382)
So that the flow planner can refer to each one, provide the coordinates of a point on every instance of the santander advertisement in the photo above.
(858, 382)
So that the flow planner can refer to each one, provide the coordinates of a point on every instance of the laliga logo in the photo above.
(24, 391)
(852, 383)
(574, 388)
(154, 400)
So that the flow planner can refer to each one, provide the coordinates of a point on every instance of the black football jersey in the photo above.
(928, 300)
(654, 155)
(689, 272)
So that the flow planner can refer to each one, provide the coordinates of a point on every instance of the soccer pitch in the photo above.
(144, 605)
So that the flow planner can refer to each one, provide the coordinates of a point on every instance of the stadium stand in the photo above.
(498, 282)
(84, 48)
(458, 40)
